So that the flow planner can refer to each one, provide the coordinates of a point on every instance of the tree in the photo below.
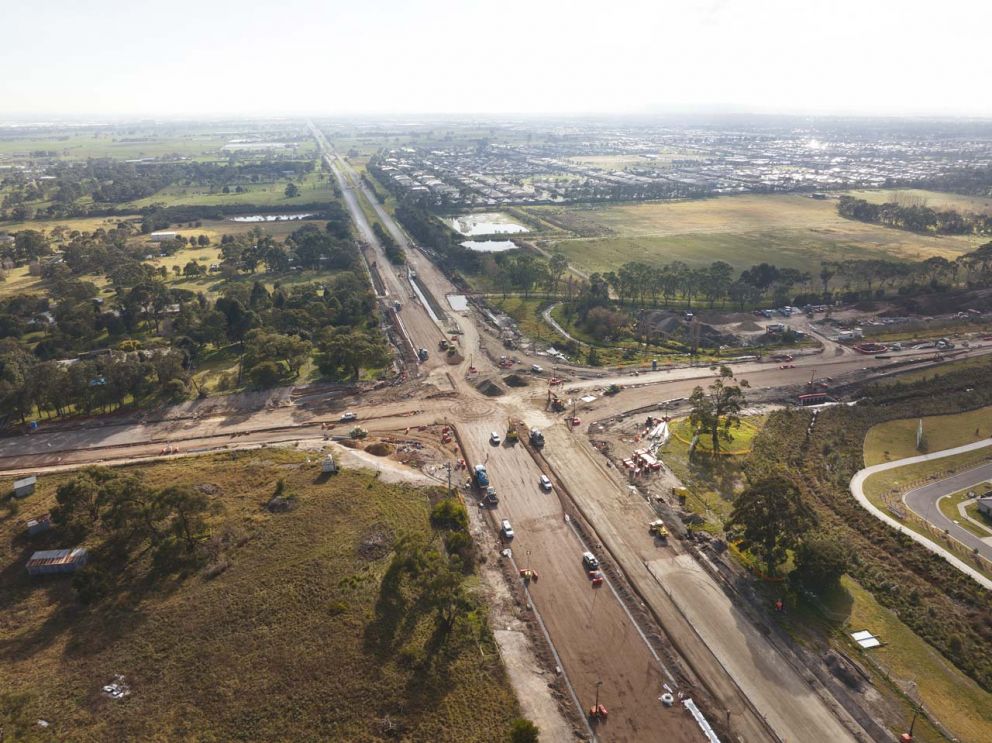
(557, 267)
(524, 731)
(292, 191)
(769, 518)
(821, 560)
(717, 409)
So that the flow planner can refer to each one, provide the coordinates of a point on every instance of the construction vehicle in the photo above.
(358, 433)
(598, 712)
(536, 438)
(481, 476)
(511, 436)
(529, 575)
(490, 499)
(442, 345)
(612, 389)
(422, 354)
(596, 578)
(658, 529)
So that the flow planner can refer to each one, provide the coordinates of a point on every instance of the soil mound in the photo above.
(379, 449)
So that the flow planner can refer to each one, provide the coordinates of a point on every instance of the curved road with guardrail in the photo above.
(923, 502)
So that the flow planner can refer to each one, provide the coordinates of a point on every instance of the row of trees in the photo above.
(392, 249)
(915, 217)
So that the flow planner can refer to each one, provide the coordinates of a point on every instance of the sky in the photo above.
(327, 57)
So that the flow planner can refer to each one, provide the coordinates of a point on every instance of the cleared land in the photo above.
(286, 644)
(791, 231)
(315, 187)
(897, 439)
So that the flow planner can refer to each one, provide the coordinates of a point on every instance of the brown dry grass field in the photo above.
(283, 645)
(788, 230)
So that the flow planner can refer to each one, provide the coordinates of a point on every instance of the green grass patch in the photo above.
(896, 439)
(740, 442)
(713, 482)
(956, 700)
(286, 643)
(315, 187)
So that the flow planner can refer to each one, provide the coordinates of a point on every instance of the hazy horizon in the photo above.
(440, 57)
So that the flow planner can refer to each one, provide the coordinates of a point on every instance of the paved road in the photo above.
(923, 502)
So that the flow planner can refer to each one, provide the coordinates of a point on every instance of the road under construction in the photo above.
(661, 623)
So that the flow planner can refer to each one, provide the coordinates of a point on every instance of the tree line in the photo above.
(917, 218)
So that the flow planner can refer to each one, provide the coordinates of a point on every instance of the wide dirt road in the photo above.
(588, 626)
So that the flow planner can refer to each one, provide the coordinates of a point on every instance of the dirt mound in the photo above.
(376, 542)
(748, 326)
(454, 358)
(350, 443)
(489, 388)
(515, 380)
(379, 449)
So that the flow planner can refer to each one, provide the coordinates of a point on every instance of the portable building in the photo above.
(23, 488)
(47, 562)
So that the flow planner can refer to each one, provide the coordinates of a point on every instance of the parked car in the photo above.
(536, 368)
(505, 529)
(589, 561)
(545, 483)
(495, 439)
(349, 416)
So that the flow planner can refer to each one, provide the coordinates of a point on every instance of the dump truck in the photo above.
(536, 437)
(422, 354)
(658, 529)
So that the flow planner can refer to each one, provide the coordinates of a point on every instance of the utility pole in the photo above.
(596, 705)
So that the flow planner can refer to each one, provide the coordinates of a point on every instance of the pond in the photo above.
(489, 246)
(493, 223)
(271, 218)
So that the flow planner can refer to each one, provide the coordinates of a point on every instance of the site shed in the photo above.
(49, 562)
(24, 488)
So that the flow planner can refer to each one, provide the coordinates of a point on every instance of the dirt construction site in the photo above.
(652, 634)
